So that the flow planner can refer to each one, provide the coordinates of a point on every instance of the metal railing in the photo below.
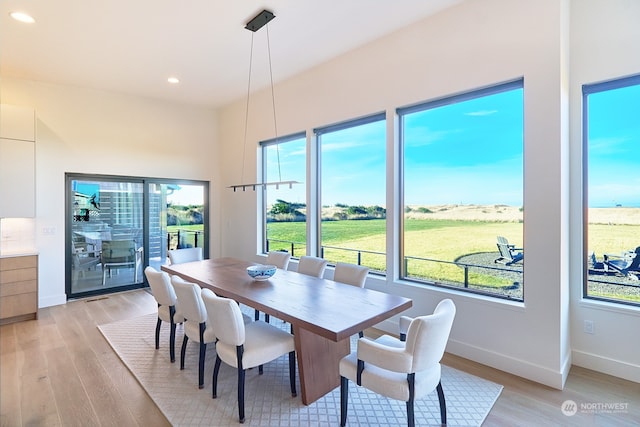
(360, 252)
(185, 239)
(466, 268)
(512, 276)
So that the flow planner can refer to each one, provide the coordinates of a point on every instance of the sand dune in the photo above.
(497, 213)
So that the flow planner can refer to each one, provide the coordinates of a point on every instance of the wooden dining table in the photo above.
(323, 314)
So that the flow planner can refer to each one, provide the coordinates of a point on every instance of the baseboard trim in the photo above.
(52, 300)
(606, 365)
(521, 368)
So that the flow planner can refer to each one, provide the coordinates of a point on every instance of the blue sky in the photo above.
(614, 147)
(469, 152)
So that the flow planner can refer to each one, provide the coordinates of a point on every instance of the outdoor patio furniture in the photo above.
(625, 264)
(508, 253)
(84, 258)
(595, 266)
(119, 254)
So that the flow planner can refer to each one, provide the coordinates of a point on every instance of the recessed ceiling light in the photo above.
(22, 17)
(173, 80)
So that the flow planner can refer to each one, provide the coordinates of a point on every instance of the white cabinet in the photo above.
(17, 162)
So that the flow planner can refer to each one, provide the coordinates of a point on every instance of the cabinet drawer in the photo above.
(15, 288)
(18, 305)
(20, 275)
(14, 263)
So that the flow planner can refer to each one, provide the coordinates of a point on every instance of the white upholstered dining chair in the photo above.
(196, 326)
(245, 346)
(281, 260)
(351, 274)
(312, 266)
(400, 370)
(179, 256)
(164, 294)
(278, 258)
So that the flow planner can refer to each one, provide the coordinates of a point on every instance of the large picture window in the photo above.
(611, 134)
(285, 207)
(463, 191)
(353, 192)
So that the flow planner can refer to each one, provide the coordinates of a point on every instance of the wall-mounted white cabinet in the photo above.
(17, 162)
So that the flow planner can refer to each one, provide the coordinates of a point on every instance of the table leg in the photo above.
(318, 363)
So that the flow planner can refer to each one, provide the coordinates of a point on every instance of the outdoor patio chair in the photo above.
(508, 253)
(595, 266)
(84, 258)
(120, 254)
(628, 263)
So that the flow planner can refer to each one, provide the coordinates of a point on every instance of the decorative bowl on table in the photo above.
(261, 272)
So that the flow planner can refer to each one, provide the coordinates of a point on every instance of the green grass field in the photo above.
(442, 240)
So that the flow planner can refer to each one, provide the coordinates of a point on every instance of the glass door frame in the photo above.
(146, 183)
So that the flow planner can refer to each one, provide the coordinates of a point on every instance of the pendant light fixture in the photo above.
(257, 22)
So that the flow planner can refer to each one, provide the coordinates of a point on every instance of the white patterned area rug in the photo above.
(268, 400)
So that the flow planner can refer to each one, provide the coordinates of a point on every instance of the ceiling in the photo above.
(132, 47)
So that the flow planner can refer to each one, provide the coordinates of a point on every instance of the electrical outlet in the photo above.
(589, 327)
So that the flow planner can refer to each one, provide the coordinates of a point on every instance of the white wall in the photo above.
(473, 45)
(605, 38)
(88, 131)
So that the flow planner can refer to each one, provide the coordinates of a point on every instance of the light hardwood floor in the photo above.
(59, 371)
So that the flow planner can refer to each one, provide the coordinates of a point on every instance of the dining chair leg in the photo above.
(203, 351)
(158, 333)
(344, 398)
(172, 334)
(216, 369)
(241, 374)
(256, 316)
(183, 351)
(172, 342)
(411, 379)
(443, 404)
(292, 373)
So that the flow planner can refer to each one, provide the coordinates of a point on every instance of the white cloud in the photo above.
(481, 113)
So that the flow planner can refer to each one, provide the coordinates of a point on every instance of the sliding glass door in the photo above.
(116, 226)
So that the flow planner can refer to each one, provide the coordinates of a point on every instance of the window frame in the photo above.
(590, 89)
(318, 132)
(263, 146)
(401, 113)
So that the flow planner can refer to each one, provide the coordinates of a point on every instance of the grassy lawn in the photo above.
(440, 240)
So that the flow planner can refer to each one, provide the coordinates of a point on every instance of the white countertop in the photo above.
(13, 254)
